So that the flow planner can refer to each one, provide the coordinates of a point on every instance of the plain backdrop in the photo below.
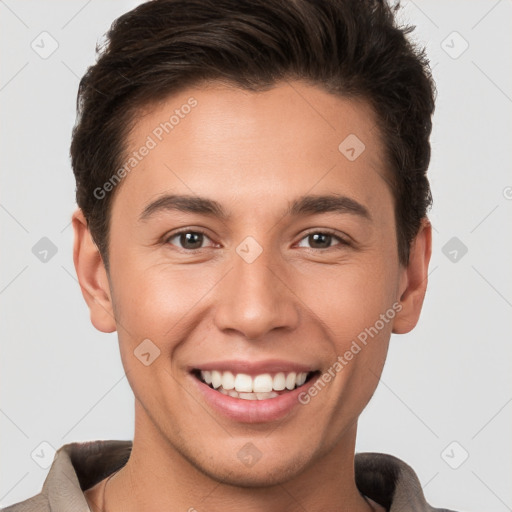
(444, 403)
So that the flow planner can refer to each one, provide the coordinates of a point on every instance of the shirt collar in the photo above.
(78, 466)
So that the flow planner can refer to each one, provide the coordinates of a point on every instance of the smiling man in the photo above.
(253, 223)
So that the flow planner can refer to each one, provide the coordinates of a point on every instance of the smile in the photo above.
(257, 387)
(249, 391)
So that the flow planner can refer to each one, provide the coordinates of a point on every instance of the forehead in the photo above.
(223, 141)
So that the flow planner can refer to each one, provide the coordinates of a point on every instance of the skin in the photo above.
(306, 303)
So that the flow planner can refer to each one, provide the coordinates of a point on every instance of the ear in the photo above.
(413, 281)
(92, 275)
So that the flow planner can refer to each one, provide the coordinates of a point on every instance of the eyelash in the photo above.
(342, 242)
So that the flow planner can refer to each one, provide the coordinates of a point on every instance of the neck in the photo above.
(159, 477)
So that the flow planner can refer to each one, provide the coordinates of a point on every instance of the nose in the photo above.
(255, 298)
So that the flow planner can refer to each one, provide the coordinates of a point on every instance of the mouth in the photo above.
(262, 386)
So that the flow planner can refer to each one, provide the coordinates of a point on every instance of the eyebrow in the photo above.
(304, 205)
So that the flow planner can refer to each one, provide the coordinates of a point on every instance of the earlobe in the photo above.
(413, 285)
(92, 275)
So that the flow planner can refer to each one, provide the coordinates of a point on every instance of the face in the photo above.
(250, 251)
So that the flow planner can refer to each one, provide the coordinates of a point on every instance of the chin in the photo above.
(263, 473)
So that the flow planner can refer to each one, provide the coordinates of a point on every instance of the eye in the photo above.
(322, 240)
(190, 240)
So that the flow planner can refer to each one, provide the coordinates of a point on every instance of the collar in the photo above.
(78, 466)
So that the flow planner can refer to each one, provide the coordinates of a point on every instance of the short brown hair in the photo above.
(352, 48)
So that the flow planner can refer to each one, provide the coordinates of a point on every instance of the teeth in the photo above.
(207, 376)
(290, 380)
(260, 385)
(243, 382)
(264, 396)
(228, 380)
(216, 379)
(248, 396)
(279, 382)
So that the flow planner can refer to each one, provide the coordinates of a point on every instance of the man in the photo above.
(252, 192)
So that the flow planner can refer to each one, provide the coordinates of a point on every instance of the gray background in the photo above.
(445, 392)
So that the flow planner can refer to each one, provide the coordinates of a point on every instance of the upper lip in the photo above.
(254, 367)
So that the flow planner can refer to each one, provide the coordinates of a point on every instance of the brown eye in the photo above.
(190, 240)
(322, 240)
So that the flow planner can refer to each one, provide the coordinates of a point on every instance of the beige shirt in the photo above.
(385, 479)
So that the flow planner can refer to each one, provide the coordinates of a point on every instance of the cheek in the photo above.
(158, 302)
(351, 297)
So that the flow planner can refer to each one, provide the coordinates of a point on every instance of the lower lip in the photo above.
(252, 411)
